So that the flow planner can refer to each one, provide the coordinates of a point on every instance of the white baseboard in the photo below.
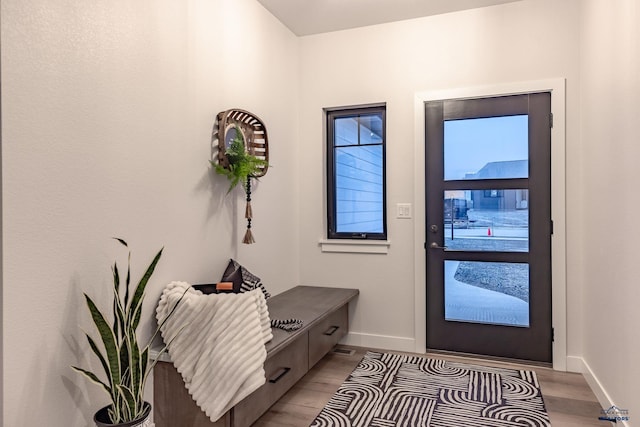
(382, 342)
(579, 365)
(575, 364)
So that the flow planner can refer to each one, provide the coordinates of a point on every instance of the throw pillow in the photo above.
(249, 281)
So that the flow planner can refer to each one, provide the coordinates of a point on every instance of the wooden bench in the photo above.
(290, 355)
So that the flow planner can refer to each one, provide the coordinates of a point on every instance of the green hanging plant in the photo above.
(242, 165)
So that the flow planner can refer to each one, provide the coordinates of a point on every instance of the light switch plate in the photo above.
(403, 210)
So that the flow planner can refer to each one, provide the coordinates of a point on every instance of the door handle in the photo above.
(434, 245)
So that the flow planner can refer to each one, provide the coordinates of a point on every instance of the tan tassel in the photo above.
(248, 213)
(248, 237)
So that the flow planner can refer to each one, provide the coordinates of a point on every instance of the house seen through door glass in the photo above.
(486, 220)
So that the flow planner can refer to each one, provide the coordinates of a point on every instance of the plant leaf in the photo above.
(160, 353)
(128, 280)
(120, 327)
(134, 363)
(108, 340)
(103, 362)
(116, 290)
(135, 309)
(124, 362)
(161, 324)
(144, 362)
(129, 406)
(114, 414)
(121, 241)
(93, 379)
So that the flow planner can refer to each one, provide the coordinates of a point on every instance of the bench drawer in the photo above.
(282, 371)
(326, 334)
(172, 403)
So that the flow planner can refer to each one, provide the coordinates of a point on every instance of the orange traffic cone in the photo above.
(489, 231)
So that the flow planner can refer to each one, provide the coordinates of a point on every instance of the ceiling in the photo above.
(305, 17)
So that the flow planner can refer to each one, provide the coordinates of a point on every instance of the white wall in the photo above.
(609, 205)
(107, 112)
(516, 42)
(595, 46)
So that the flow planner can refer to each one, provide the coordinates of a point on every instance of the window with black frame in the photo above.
(356, 198)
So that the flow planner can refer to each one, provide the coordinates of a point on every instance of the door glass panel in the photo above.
(486, 148)
(487, 220)
(494, 293)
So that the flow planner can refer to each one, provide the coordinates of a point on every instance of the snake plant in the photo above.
(125, 362)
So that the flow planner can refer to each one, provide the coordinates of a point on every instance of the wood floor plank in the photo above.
(304, 396)
(286, 414)
(561, 384)
(568, 398)
(319, 385)
(567, 410)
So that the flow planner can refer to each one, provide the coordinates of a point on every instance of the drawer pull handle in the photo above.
(278, 376)
(332, 330)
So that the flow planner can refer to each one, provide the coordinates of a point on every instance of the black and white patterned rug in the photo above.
(388, 390)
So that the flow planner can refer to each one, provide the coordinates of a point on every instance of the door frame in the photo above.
(558, 202)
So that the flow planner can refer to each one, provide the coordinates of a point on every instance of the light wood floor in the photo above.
(568, 399)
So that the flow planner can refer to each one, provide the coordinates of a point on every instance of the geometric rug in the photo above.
(388, 390)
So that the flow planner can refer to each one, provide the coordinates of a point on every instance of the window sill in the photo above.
(355, 246)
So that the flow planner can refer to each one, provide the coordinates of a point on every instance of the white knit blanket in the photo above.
(219, 346)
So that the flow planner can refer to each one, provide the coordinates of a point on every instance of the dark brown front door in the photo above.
(488, 226)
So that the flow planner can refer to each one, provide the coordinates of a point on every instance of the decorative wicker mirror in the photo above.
(253, 132)
(243, 153)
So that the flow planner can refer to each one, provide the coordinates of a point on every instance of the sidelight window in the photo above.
(356, 173)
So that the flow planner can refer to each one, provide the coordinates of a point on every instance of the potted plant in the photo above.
(125, 362)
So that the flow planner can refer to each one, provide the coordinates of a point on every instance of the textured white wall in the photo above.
(522, 41)
(610, 113)
(107, 111)
(107, 114)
